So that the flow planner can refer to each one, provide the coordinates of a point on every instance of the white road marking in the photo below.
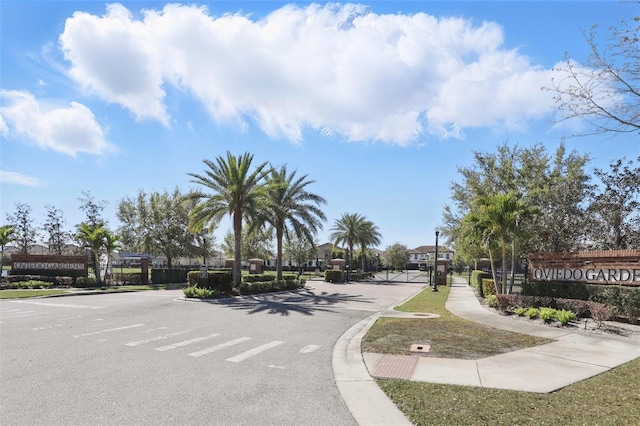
(109, 330)
(220, 346)
(57, 305)
(254, 351)
(157, 338)
(279, 367)
(186, 342)
(308, 349)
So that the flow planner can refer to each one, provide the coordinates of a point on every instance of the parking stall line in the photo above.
(157, 338)
(220, 346)
(254, 351)
(186, 342)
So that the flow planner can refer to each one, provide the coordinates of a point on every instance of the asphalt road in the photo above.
(150, 358)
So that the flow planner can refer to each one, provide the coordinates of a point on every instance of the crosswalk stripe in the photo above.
(157, 338)
(220, 346)
(109, 330)
(254, 351)
(186, 342)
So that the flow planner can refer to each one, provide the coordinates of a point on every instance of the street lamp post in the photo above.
(435, 269)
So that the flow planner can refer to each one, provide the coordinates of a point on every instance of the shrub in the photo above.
(476, 280)
(488, 286)
(532, 313)
(600, 312)
(564, 317)
(547, 314)
(333, 276)
(32, 284)
(259, 277)
(520, 311)
(491, 301)
(200, 293)
(166, 276)
(221, 280)
(85, 282)
(267, 286)
(504, 302)
(122, 278)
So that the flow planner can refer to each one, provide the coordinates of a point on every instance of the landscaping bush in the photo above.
(86, 282)
(333, 276)
(125, 278)
(564, 317)
(476, 280)
(31, 284)
(488, 286)
(268, 286)
(167, 276)
(221, 280)
(491, 301)
(532, 313)
(200, 293)
(547, 314)
(56, 281)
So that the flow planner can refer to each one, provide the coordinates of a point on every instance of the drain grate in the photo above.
(419, 347)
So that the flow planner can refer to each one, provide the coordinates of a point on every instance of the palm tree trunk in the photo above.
(279, 235)
(493, 270)
(96, 260)
(503, 267)
(237, 249)
(513, 266)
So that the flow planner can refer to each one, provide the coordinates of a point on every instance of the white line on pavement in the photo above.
(57, 305)
(255, 351)
(220, 346)
(308, 349)
(157, 338)
(186, 342)
(109, 330)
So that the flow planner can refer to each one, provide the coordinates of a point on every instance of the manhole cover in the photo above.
(417, 347)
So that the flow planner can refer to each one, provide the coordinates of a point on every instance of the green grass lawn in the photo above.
(611, 398)
(19, 294)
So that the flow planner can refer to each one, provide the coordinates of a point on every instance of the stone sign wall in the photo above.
(595, 267)
(51, 265)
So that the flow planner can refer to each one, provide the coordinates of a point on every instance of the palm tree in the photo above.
(369, 237)
(93, 237)
(290, 207)
(111, 243)
(347, 230)
(7, 233)
(500, 216)
(232, 188)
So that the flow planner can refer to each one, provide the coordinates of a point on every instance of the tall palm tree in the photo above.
(369, 236)
(347, 230)
(111, 243)
(290, 207)
(231, 188)
(7, 233)
(93, 237)
(500, 217)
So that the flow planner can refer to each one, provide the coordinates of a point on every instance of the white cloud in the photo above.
(69, 130)
(336, 69)
(18, 179)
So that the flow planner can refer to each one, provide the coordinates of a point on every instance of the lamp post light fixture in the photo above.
(435, 268)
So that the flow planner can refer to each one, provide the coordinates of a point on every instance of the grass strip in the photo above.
(611, 398)
(19, 294)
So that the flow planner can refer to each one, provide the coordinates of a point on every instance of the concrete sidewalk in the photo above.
(574, 355)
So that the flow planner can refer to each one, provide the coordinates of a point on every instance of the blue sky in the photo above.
(378, 102)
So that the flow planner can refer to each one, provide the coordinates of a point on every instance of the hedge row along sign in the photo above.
(619, 267)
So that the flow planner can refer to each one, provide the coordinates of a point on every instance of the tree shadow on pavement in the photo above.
(304, 302)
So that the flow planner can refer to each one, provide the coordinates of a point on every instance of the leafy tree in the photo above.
(57, 237)
(606, 93)
(92, 209)
(395, 256)
(256, 243)
(229, 186)
(26, 233)
(291, 208)
(616, 206)
(556, 186)
(92, 238)
(158, 223)
(7, 235)
(300, 250)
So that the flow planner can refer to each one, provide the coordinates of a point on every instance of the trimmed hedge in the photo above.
(333, 276)
(582, 308)
(622, 301)
(168, 276)
(476, 280)
(269, 286)
(125, 278)
(488, 287)
(221, 280)
(56, 281)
